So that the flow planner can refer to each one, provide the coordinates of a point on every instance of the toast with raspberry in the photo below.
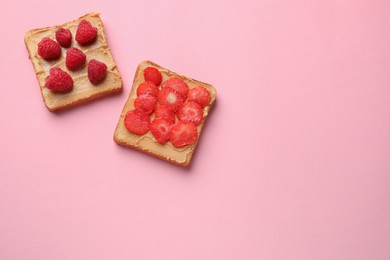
(164, 114)
(73, 62)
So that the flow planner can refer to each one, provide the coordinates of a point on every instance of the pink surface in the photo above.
(293, 163)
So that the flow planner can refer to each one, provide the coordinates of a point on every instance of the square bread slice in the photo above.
(146, 143)
(83, 91)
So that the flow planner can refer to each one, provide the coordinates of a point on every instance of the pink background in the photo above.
(293, 164)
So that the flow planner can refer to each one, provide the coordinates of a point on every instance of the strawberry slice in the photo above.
(146, 103)
(182, 134)
(137, 121)
(199, 95)
(191, 112)
(147, 87)
(170, 98)
(153, 75)
(164, 112)
(178, 85)
(160, 129)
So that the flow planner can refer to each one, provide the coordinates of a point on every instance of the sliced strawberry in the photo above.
(137, 121)
(146, 103)
(153, 75)
(182, 134)
(170, 98)
(191, 112)
(164, 112)
(199, 95)
(147, 87)
(178, 85)
(160, 129)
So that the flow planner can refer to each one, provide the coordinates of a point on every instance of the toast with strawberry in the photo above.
(164, 114)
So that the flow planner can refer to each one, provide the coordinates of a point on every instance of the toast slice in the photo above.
(147, 143)
(83, 90)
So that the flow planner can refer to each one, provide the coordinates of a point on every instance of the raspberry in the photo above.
(164, 112)
(49, 49)
(64, 37)
(96, 71)
(85, 33)
(160, 129)
(146, 103)
(75, 58)
(147, 87)
(182, 134)
(137, 121)
(170, 98)
(153, 75)
(199, 95)
(59, 80)
(191, 112)
(178, 85)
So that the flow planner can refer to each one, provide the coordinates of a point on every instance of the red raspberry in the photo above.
(178, 85)
(96, 71)
(160, 129)
(147, 87)
(199, 95)
(59, 80)
(191, 112)
(75, 58)
(153, 75)
(64, 37)
(85, 33)
(182, 134)
(137, 121)
(146, 103)
(49, 49)
(164, 112)
(170, 98)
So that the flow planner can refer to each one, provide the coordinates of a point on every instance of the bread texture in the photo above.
(83, 90)
(146, 143)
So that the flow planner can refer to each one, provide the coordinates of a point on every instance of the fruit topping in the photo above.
(64, 37)
(96, 71)
(191, 112)
(75, 58)
(137, 121)
(49, 49)
(85, 33)
(59, 80)
(160, 129)
(153, 75)
(182, 134)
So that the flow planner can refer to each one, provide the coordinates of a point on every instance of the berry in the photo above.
(147, 87)
(64, 37)
(59, 80)
(96, 71)
(153, 75)
(178, 85)
(191, 112)
(170, 98)
(49, 49)
(160, 129)
(75, 58)
(182, 134)
(164, 112)
(85, 33)
(146, 103)
(199, 95)
(137, 121)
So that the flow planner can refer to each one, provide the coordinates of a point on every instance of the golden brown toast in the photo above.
(146, 143)
(83, 90)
